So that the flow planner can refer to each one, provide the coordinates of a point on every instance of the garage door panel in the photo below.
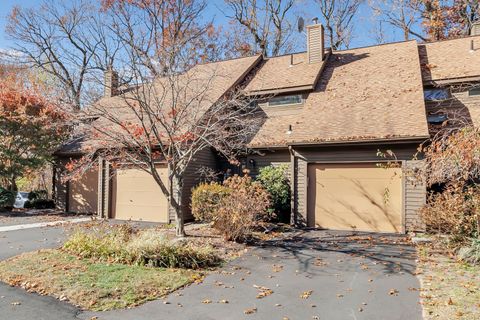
(138, 196)
(355, 197)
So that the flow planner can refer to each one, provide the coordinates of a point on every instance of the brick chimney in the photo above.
(475, 31)
(315, 43)
(110, 82)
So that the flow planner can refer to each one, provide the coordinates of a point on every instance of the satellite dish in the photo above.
(300, 24)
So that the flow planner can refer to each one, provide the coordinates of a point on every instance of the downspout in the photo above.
(293, 216)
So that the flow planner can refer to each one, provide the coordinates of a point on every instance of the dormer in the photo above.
(286, 80)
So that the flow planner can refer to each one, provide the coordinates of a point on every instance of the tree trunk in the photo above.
(176, 204)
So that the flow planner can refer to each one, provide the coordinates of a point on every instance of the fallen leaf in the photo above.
(250, 311)
(207, 301)
(306, 294)
(393, 292)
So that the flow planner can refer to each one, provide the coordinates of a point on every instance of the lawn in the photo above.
(450, 289)
(91, 285)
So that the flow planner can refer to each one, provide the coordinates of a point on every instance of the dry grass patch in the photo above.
(450, 289)
(91, 285)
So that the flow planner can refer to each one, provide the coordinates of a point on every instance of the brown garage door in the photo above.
(359, 197)
(138, 197)
(83, 192)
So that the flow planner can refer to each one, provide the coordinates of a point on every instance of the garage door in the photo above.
(83, 192)
(138, 197)
(359, 197)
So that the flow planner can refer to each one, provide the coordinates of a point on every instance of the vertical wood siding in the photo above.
(205, 158)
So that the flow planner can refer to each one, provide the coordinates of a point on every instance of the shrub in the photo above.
(122, 244)
(7, 198)
(206, 199)
(151, 248)
(105, 243)
(243, 209)
(38, 194)
(39, 204)
(471, 254)
(275, 180)
(454, 211)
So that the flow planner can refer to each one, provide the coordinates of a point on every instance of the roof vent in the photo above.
(315, 43)
(475, 31)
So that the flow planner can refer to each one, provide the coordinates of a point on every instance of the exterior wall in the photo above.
(267, 158)
(60, 189)
(104, 188)
(461, 108)
(414, 197)
(205, 158)
(83, 192)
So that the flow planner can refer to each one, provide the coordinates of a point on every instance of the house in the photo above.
(326, 116)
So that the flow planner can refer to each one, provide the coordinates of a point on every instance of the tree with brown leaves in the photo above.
(175, 107)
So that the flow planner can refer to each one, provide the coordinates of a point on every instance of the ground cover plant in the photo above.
(103, 266)
(91, 284)
(448, 295)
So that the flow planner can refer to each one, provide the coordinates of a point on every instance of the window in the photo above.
(436, 94)
(285, 100)
(437, 118)
(474, 92)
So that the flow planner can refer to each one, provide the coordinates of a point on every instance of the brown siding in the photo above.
(60, 189)
(414, 195)
(267, 158)
(205, 158)
(461, 109)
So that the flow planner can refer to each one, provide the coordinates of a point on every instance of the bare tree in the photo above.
(405, 15)
(268, 22)
(175, 107)
(337, 17)
(69, 40)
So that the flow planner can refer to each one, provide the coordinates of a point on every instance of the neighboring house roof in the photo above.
(278, 74)
(204, 84)
(366, 93)
(450, 59)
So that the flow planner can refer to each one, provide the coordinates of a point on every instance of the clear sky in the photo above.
(363, 34)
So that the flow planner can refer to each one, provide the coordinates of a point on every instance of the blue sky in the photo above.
(363, 34)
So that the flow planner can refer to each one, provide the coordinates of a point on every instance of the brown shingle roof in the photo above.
(366, 93)
(204, 83)
(450, 59)
(277, 74)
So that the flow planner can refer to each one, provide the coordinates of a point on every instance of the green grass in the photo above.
(89, 284)
(450, 289)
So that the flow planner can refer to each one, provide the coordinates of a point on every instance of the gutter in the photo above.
(341, 143)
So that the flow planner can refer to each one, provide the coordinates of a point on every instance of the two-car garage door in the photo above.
(136, 196)
(359, 196)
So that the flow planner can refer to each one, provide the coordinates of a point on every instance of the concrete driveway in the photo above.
(315, 275)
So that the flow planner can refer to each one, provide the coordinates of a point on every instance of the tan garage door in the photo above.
(83, 193)
(359, 197)
(138, 197)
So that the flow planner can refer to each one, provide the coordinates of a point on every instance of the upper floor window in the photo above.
(285, 100)
(436, 94)
(474, 92)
